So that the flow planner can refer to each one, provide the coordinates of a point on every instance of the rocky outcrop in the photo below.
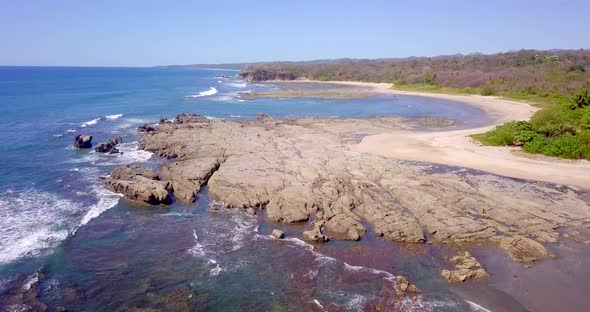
(405, 286)
(83, 141)
(146, 129)
(301, 169)
(466, 268)
(139, 184)
(315, 235)
(278, 234)
(523, 249)
(109, 146)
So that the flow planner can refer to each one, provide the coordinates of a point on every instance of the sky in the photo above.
(147, 33)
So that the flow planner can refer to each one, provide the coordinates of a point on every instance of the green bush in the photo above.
(526, 136)
(553, 121)
(585, 119)
(566, 146)
(487, 91)
(503, 134)
(580, 100)
(430, 79)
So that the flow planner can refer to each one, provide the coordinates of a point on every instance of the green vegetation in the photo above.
(545, 77)
(560, 131)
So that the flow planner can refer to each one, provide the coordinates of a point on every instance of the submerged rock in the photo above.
(466, 268)
(83, 141)
(139, 184)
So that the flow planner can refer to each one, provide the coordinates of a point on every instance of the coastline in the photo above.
(456, 148)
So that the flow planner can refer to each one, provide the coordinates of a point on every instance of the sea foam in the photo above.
(31, 223)
(209, 92)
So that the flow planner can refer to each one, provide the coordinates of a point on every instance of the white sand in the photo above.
(457, 149)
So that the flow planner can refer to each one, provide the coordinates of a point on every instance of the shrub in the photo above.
(585, 120)
(553, 121)
(566, 146)
(430, 79)
(503, 134)
(487, 91)
(536, 146)
(580, 100)
(526, 136)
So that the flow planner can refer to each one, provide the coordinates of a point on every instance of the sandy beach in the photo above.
(456, 148)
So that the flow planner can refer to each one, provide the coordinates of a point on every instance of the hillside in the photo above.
(548, 76)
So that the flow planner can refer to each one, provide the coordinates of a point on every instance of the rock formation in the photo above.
(109, 146)
(278, 234)
(146, 128)
(466, 268)
(83, 141)
(139, 184)
(405, 286)
(304, 169)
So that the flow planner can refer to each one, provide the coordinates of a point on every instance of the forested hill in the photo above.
(522, 73)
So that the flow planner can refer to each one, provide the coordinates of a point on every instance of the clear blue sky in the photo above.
(144, 33)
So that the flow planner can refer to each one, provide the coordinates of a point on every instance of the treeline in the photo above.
(527, 73)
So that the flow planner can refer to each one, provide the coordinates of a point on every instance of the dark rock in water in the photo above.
(83, 141)
(109, 146)
(164, 121)
(139, 184)
(146, 128)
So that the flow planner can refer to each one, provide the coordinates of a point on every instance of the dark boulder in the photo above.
(109, 146)
(83, 141)
(146, 128)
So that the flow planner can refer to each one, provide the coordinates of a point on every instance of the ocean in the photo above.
(83, 248)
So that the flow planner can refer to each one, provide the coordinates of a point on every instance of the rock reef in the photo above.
(139, 184)
(304, 169)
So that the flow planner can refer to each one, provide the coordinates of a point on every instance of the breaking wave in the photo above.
(209, 92)
(90, 123)
(113, 117)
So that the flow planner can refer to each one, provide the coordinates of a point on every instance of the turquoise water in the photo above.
(94, 251)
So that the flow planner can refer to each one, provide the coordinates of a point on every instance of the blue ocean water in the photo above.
(56, 217)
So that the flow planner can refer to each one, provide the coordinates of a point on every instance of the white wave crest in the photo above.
(90, 123)
(106, 201)
(197, 249)
(211, 91)
(113, 117)
(71, 130)
(216, 269)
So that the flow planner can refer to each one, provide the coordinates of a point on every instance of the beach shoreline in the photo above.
(456, 148)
